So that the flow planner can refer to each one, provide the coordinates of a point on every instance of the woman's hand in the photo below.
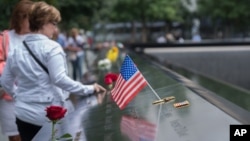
(99, 88)
(100, 97)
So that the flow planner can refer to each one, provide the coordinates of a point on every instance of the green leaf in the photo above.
(67, 135)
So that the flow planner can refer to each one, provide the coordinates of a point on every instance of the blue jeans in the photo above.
(77, 66)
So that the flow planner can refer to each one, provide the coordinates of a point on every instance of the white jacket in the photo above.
(35, 88)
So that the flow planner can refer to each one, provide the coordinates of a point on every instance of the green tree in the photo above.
(235, 15)
(75, 13)
(144, 11)
(78, 13)
(6, 7)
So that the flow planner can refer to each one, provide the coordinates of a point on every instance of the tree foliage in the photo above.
(144, 11)
(232, 13)
(78, 13)
(85, 13)
(75, 13)
(6, 7)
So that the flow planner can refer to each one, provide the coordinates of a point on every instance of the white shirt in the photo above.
(75, 43)
(161, 39)
(15, 39)
(35, 88)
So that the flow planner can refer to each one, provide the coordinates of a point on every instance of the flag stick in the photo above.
(151, 87)
(153, 91)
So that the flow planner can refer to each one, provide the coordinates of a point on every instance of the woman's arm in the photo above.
(58, 74)
(8, 78)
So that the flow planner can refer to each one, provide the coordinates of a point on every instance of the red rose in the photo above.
(55, 112)
(110, 78)
(113, 76)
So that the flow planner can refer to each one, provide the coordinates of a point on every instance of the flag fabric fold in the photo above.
(129, 83)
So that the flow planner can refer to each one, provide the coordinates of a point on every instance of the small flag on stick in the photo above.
(129, 83)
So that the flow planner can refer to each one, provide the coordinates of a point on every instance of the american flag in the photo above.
(129, 83)
(138, 129)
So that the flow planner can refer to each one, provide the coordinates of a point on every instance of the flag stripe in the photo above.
(132, 94)
(129, 128)
(118, 85)
(129, 83)
(138, 129)
(128, 90)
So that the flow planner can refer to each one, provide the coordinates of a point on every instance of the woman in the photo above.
(75, 45)
(38, 89)
(19, 26)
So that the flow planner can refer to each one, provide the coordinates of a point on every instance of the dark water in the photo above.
(235, 94)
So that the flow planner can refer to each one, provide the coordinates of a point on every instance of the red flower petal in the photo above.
(108, 80)
(55, 112)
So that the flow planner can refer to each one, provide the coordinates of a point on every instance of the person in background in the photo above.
(170, 38)
(89, 38)
(75, 50)
(84, 36)
(196, 37)
(60, 38)
(36, 88)
(19, 27)
(161, 38)
(85, 47)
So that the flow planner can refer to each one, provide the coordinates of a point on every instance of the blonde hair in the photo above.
(74, 31)
(42, 13)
